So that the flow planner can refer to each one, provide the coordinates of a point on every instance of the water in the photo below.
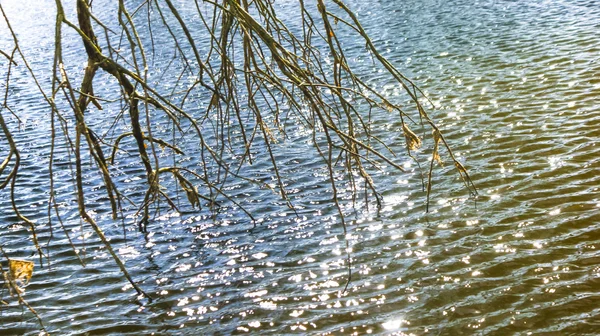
(515, 84)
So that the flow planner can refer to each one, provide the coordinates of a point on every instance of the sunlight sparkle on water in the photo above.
(393, 324)
(256, 294)
(392, 200)
(128, 252)
(270, 305)
(472, 222)
(259, 255)
(555, 162)
(296, 313)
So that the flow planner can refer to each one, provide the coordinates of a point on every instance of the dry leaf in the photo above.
(192, 195)
(436, 138)
(190, 191)
(436, 156)
(412, 140)
(214, 101)
(20, 271)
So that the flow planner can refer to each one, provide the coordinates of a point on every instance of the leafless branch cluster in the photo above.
(254, 72)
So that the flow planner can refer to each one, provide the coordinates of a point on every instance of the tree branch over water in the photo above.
(240, 78)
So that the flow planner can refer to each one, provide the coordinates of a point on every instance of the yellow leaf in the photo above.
(437, 136)
(436, 155)
(20, 271)
(412, 140)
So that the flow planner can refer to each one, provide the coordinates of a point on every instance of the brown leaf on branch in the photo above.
(20, 271)
(412, 140)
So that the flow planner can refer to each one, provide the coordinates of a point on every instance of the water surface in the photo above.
(515, 85)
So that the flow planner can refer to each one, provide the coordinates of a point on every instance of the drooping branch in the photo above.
(232, 91)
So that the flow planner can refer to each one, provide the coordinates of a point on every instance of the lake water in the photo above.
(516, 86)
